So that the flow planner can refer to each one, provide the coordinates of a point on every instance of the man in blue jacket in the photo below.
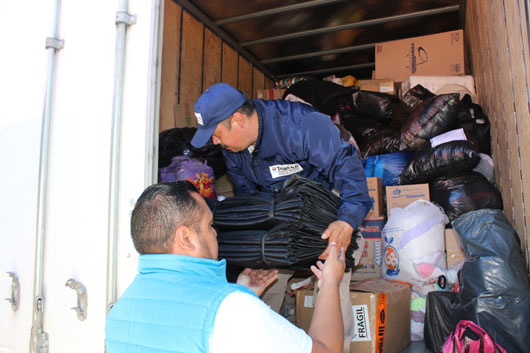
(266, 142)
(180, 301)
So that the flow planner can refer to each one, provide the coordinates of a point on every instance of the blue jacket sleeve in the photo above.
(338, 162)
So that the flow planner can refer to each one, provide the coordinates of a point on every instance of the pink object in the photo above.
(459, 342)
(425, 270)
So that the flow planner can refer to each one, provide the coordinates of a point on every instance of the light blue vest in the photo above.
(170, 306)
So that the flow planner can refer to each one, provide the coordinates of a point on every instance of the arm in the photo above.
(338, 162)
(327, 330)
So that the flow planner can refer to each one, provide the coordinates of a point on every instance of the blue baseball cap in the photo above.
(216, 104)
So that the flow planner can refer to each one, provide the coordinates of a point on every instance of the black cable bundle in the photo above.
(283, 230)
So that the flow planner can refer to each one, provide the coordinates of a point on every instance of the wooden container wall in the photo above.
(193, 59)
(497, 42)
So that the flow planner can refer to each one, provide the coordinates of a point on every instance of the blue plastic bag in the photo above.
(388, 166)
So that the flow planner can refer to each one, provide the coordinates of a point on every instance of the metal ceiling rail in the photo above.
(195, 11)
(331, 69)
(277, 10)
(319, 53)
(375, 21)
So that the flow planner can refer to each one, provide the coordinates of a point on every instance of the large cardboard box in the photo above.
(454, 254)
(382, 85)
(270, 93)
(371, 260)
(436, 54)
(381, 312)
(375, 190)
(403, 195)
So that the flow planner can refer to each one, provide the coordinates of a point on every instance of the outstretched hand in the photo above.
(333, 269)
(257, 280)
(339, 232)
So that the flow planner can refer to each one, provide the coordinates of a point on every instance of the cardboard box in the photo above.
(375, 190)
(403, 195)
(453, 253)
(381, 311)
(441, 84)
(270, 93)
(223, 186)
(371, 260)
(436, 54)
(382, 85)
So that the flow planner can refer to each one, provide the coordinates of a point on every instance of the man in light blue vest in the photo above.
(181, 301)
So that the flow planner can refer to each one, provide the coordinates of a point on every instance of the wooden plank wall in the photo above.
(194, 58)
(497, 42)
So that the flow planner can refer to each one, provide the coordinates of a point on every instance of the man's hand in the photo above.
(339, 232)
(332, 270)
(257, 280)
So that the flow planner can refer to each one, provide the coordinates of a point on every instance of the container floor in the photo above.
(416, 347)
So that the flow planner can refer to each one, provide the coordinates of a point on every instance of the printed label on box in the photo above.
(308, 301)
(361, 323)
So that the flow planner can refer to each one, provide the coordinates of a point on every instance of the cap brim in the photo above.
(202, 136)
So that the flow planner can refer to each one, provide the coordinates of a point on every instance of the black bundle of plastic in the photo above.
(472, 119)
(177, 142)
(446, 159)
(287, 246)
(430, 118)
(301, 201)
(463, 193)
(283, 230)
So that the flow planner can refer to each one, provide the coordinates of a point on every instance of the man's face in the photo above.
(208, 247)
(232, 139)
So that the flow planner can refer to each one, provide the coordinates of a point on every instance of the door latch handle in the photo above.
(15, 291)
(82, 298)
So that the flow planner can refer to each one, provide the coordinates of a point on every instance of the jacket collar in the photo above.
(189, 265)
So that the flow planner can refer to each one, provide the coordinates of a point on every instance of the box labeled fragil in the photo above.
(270, 93)
(381, 315)
(375, 190)
(435, 54)
(403, 195)
(453, 253)
(371, 261)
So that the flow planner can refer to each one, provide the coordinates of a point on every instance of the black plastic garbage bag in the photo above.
(494, 285)
(177, 142)
(416, 95)
(381, 142)
(327, 97)
(362, 128)
(286, 246)
(466, 192)
(376, 105)
(439, 319)
(430, 118)
(450, 158)
(473, 120)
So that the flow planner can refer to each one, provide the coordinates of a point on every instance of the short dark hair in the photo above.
(158, 212)
(247, 108)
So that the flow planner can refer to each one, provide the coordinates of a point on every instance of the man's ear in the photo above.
(184, 242)
(239, 119)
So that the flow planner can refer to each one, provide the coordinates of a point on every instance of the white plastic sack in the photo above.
(413, 242)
